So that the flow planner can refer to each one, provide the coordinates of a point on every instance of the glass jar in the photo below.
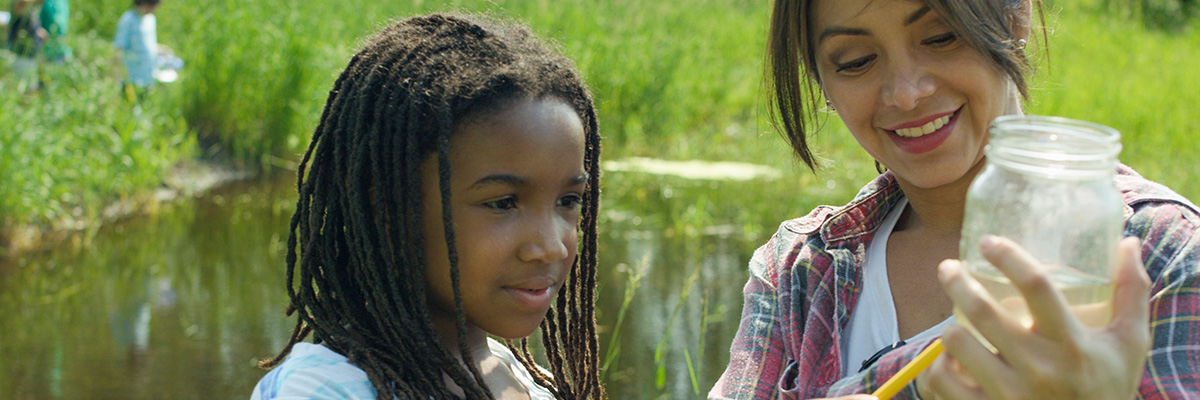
(1048, 185)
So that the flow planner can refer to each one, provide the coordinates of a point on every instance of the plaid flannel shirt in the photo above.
(805, 281)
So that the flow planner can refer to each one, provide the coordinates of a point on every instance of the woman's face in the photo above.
(916, 97)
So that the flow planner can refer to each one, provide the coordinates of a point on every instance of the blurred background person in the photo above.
(25, 38)
(55, 16)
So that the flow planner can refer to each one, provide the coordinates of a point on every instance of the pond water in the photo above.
(180, 304)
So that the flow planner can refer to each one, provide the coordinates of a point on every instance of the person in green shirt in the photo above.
(54, 18)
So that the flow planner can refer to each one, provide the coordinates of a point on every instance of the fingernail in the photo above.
(989, 241)
(945, 268)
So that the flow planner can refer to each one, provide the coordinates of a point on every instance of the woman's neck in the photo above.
(937, 211)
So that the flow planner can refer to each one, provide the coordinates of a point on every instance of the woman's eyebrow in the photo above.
(834, 30)
(916, 15)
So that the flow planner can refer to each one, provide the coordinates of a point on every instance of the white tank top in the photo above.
(873, 325)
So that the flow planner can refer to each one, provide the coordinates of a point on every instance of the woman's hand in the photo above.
(1058, 357)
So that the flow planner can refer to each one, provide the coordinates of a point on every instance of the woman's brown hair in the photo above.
(988, 26)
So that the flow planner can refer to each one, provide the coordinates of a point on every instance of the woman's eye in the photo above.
(942, 40)
(503, 204)
(856, 65)
(570, 201)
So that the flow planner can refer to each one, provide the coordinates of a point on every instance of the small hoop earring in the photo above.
(1021, 44)
(829, 105)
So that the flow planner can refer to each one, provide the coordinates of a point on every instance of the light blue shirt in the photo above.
(137, 38)
(313, 371)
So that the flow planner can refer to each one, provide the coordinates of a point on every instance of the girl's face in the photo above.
(517, 180)
(917, 98)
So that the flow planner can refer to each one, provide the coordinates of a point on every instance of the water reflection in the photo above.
(166, 306)
(694, 169)
(181, 304)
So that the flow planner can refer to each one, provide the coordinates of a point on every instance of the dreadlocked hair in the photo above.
(355, 274)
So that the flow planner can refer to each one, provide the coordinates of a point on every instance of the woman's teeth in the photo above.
(925, 129)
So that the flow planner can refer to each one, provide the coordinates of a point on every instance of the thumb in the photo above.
(1131, 292)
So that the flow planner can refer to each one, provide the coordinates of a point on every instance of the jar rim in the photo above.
(1053, 145)
(1058, 125)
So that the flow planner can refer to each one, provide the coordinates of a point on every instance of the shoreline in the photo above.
(190, 179)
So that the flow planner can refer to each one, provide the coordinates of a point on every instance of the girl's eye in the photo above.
(502, 204)
(570, 201)
(942, 40)
(856, 65)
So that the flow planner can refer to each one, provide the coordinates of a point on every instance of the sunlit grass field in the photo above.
(674, 79)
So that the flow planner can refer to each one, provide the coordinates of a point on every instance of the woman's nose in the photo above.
(908, 84)
(546, 240)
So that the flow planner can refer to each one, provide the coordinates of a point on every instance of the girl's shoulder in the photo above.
(313, 371)
(536, 392)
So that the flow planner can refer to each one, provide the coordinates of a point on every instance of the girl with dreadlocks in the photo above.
(450, 193)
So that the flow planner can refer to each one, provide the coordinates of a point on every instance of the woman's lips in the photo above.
(926, 128)
(940, 129)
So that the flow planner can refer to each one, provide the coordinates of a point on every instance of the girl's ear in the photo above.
(1020, 18)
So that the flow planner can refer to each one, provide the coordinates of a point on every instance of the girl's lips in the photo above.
(535, 294)
(925, 143)
(533, 299)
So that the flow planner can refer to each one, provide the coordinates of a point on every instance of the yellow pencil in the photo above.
(909, 372)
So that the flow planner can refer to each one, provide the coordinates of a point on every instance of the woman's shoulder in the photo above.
(809, 223)
(1154, 211)
(313, 371)
(1139, 192)
(879, 193)
(806, 239)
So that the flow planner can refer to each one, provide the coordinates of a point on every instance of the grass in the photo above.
(1105, 69)
(78, 145)
(257, 73)
(673, 79)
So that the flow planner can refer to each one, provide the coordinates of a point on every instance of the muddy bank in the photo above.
(190, 179)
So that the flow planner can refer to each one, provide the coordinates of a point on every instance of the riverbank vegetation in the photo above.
(673, 79)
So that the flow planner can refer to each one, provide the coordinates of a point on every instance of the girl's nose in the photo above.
(547, 240)
(908, 84)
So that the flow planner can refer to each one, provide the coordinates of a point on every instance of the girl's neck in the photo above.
(476, 340)
(495, 373)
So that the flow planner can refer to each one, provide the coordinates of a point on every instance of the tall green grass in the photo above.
(1170, 15)
(674, 79)
(67, 151)
(257, 74)
(1105, 68)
